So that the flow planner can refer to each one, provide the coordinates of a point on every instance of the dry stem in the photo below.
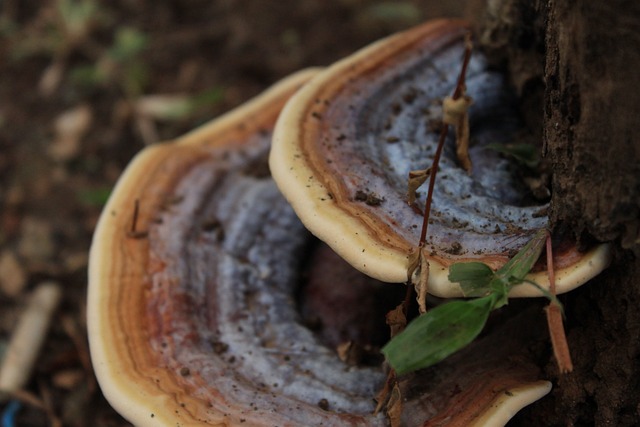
(554, 320)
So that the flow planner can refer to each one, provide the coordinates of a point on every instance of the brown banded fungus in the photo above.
(345, 144)
(194, 278)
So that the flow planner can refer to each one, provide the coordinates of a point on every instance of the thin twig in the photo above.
(407, 299)
(391, 383)
(460, 86)
(133, 232)
(457, 93)
(432, 182)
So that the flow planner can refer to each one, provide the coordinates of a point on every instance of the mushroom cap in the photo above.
(121, 265)
(192, 317)
(344, 144)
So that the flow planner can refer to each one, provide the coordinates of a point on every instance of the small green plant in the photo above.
(449, 327)
(120, 64)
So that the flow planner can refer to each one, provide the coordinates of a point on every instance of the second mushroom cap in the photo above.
(344, 145)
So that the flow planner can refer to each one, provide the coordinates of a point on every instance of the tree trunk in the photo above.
(576, 67)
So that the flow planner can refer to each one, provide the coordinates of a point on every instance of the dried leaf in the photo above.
(414, 264)
(416, 179)
(350, 353)
(383, 395)
(456, 113)
(394, 407)
(396, 320)
(423, 283)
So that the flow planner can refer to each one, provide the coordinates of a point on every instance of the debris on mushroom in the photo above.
(195, 274)
(332, 141)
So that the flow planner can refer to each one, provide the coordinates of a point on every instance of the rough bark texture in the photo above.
(575, 66)
(591, 116)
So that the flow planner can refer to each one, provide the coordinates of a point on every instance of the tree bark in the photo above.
(575, 65)
(591, 117)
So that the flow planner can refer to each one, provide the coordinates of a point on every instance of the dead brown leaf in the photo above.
(423, 282)
(416, 179)
(456, 113)
(394, 407)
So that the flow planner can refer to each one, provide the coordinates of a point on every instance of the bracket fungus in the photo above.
(344, 145)
(194, 275)
(197, 264)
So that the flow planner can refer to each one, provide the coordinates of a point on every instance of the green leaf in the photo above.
(520, 265)
(474, 277)
(438, 333)
(449, 327)
(500, 290)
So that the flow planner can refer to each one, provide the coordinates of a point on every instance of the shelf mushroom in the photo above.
(345, 144)
(194, 277)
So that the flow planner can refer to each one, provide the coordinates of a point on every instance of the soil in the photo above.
(76, 105)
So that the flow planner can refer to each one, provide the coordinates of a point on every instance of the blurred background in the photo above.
(84, 85)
